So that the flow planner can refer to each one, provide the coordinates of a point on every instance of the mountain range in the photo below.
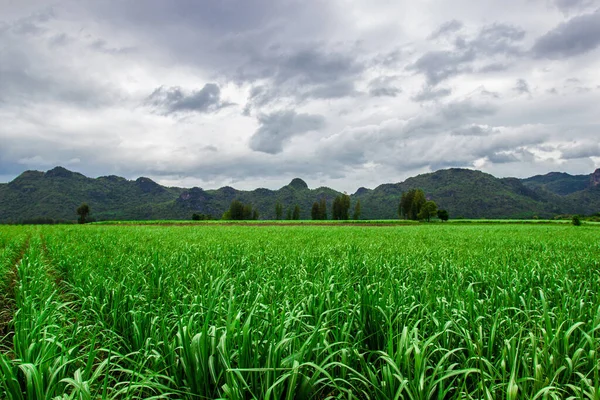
(55, 194)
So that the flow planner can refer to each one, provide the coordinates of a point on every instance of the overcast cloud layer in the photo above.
(341, 93)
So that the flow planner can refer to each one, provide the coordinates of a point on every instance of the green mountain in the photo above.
(558, 183)
(464, 193)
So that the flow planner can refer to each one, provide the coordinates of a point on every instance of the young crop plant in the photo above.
(304, 312)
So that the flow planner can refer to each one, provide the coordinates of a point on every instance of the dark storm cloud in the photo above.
(576, 36)
(509, 156)
(580, 150)
(494, 67)
(174, 99)
(569, 5)
(430, 94)
(334, 90)
(31, 71)
(492, 40)
(474, 130)
(502, 158)
(278, 127)
(300, 75)
(438, 66)
(521, 86)
(384, 86)
(447, 27)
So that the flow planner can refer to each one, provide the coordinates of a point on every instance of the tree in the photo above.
(443, 215)
(335, 212)
(236, 211)
(83, 211)
(296, 213)
(289, 214)
(278, 210)
(576, 220)
(247, 213)
(240, 211)
(323, 209)
(341, 204)
(411, 203)
(195, 217)
(356, 214)
(418, 202)
(315, 212)
(345, 207)
(428, 210)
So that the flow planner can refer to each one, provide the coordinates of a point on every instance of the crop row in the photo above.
(306, 312)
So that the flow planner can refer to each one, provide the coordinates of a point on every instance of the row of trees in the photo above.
(413, 205)
(341, 207)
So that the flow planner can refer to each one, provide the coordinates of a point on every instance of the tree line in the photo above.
(340, 209)
(413, 206)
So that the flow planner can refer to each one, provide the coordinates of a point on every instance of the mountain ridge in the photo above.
(468, 193)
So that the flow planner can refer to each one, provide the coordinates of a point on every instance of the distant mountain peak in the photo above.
(59, 172)
(361, 190)
(298, 183)
(148, 185)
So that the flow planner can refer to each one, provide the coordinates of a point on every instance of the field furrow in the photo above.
(11, 253)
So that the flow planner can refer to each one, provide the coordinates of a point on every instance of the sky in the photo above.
(252, 93)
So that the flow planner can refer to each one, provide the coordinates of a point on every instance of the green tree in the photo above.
(428, 210)
(289, 214)
(345, 207)
(315, 214)
(357, 211)
(195, 217)
(83, 211)
(336, 208)
(239, 211)
(406, 204)
(443, 215)
(418, 202)
(341, 204)
(278, 210)
(576, 220)
(411, 203)
(296, 213)
(236, 210)
(247, 213)
(323, 208)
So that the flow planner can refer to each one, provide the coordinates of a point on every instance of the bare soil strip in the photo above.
(253, 224)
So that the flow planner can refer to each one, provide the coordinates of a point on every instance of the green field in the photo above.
(436, 311)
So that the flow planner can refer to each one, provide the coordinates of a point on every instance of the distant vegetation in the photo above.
(54, 195)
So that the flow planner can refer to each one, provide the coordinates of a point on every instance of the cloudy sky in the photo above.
(341, 93)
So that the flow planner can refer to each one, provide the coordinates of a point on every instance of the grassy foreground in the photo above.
(283, 312)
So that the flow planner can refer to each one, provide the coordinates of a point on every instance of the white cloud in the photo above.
(374, 92)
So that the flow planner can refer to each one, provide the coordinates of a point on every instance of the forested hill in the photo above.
(464, 193)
